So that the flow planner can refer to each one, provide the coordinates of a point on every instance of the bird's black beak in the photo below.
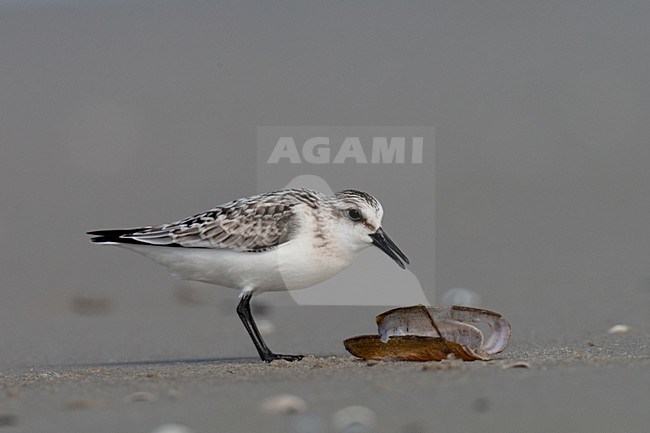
(381, 240)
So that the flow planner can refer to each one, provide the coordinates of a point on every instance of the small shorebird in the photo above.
(283, 240)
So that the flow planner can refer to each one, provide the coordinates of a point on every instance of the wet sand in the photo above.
(596, 385)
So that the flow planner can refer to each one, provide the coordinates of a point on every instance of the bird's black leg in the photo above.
(244, 312)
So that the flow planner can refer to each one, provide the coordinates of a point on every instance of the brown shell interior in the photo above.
(408, 348)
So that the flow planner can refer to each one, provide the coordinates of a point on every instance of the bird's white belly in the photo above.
(288, 267)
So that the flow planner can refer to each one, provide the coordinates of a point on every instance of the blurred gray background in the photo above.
(125, 113)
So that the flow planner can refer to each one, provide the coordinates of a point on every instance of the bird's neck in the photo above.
(330, 241)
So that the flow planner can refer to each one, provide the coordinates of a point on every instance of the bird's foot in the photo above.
(270, 357)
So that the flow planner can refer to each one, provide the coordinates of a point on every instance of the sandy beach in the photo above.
(598, 384)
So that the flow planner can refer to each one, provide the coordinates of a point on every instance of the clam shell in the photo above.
(408, 348)
(419, 333)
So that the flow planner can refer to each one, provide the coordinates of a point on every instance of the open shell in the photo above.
(419, 333)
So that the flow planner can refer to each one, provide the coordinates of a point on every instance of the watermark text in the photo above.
(322, 150)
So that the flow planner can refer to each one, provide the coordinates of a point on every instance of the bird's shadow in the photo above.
(161, 362)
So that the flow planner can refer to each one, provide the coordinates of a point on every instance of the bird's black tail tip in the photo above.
(105, 236)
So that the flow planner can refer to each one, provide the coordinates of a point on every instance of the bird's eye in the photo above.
(354, 215)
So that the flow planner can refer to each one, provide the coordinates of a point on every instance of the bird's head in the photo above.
(358, 220)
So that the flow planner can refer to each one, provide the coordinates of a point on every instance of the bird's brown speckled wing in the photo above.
(252, 224)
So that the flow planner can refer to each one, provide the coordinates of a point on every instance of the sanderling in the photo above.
(283, 240)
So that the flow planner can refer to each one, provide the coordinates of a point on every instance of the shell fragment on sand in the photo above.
(419, 333)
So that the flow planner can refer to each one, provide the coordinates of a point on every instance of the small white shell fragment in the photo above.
(354, 419)
(459, 296)
(619, 329)
(284, 404)
(140, 396)
(172, 428)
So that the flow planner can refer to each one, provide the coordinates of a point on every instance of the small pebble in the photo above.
(354, 419)
(172, 428)
(140, 396)
(7, 419)
(284, 404)
(518, 364)
(444, 365)
(619, 329)
(459, 296)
